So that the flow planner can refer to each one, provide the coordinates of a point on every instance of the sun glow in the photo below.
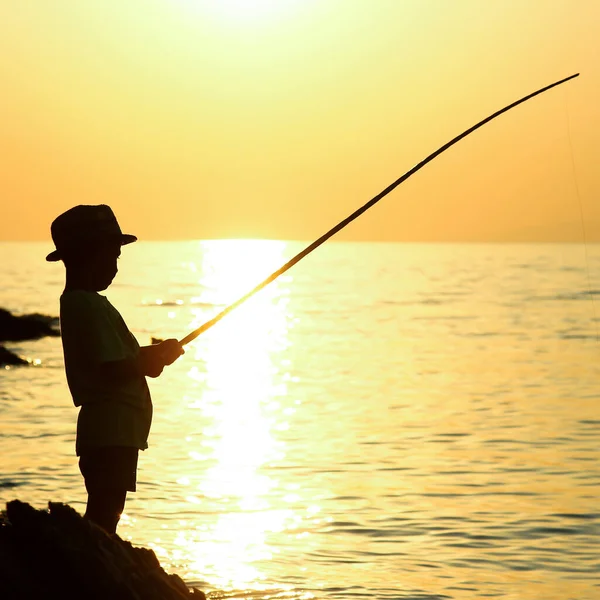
(249, 10)
(241, 385)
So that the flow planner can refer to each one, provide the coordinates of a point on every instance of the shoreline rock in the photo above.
(59, 554)
(26, 327)
(10, 358)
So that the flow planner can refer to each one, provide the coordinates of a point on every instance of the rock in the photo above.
(59, 554)
(10, 358)
(26, 327)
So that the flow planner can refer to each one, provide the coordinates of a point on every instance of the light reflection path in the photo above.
(242, 382)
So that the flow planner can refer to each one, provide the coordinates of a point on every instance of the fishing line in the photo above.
(581, 214)
(194, 334)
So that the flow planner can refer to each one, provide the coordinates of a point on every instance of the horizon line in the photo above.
(341, 241)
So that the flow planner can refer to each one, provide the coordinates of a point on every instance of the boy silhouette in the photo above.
(105, 366)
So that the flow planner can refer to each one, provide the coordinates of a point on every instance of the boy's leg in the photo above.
(109, 473)
(104, 507)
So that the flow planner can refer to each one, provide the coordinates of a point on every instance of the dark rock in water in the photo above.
(59, 554)
(10, 358)
(26, 327)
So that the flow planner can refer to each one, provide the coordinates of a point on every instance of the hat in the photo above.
(83, 225)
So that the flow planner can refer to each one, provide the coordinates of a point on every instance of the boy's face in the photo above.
(102, 265)
(93, 268)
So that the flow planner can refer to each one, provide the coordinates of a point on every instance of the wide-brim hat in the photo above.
(84, 226)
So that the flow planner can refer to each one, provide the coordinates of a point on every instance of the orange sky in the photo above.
(204, 119)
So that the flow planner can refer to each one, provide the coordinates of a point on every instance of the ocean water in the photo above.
(408, 421)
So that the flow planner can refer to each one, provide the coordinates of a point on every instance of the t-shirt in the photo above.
(113, 412)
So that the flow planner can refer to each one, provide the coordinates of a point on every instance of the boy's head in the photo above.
(88, 240)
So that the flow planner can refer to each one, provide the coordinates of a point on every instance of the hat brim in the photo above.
(126, 238)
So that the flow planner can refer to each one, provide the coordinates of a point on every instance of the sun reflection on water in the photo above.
(243, 376)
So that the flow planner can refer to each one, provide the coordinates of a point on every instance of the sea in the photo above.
(385, 420)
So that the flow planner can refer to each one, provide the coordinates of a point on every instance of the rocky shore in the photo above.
(59, 554)
(21, 328)
(15, 328)
(7, 357)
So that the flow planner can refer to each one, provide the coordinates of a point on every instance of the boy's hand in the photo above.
(170, 350)
(154, 358)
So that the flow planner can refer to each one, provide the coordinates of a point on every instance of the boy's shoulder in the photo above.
(81, 310)
(69, 297)
(82, 301)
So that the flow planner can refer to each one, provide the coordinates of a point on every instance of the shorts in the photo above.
(109, 467)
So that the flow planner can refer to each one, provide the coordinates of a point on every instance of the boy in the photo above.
(106, 368)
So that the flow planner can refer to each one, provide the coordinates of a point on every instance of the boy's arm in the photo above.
(150, 361)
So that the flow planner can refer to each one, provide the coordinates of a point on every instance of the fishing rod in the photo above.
(288, 265)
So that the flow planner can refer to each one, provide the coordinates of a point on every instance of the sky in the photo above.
(199, 119)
